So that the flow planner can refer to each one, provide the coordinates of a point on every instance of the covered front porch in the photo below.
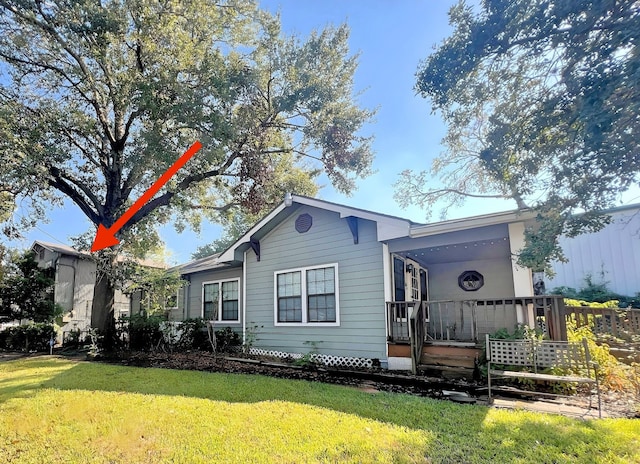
(450, 283)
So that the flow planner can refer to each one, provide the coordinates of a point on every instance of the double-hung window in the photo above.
(307, 296)
(220, 301)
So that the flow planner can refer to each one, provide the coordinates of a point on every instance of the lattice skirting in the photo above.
(324, 359)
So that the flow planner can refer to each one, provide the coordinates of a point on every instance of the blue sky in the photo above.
(392, 37)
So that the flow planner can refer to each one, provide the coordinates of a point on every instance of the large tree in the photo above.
(98, 98)
(542, 105)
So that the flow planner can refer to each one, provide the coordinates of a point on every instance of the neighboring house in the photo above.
(611, 255)
(343, 283)
(75, 275)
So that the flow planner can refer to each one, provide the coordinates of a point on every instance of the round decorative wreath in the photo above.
(470, 281)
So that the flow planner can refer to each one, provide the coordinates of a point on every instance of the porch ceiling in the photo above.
(484, 249)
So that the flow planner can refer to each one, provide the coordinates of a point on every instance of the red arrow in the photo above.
(105, 238)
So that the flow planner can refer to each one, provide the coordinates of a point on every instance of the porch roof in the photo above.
(484, 220)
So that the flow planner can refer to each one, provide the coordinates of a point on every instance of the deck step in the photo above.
(447, 372)
(448, 360)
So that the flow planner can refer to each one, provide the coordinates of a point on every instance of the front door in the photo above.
(410, 283)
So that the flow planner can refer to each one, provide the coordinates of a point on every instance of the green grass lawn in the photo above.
(56, 410)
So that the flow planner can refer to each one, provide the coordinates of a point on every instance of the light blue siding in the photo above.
(361, 332)
(193, 292)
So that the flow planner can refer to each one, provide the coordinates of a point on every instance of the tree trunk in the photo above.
(102, 306)
(102, 314)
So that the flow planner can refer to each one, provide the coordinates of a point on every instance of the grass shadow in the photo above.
(458, 431)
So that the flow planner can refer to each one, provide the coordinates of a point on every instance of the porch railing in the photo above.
(470, 320)
(398, 320)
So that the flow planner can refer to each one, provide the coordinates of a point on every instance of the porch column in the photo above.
(522, 279)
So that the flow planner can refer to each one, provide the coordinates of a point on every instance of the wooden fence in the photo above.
(622, 323)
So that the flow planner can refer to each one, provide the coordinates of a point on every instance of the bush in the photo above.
(227, 339)
(613, 375)
(144, 333)
(30, 337)
(193, 336)
(597, 292)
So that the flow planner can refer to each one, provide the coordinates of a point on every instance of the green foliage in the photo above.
(98, 100)
(74, 340)
(227, 340)
(193, 335)
(29, 337)
(158, 287)
(151, 333)
(308, 360)
(520, 332)
(250, 337)
(540, 101)
(143, 333)
(612, 373)
(26, 290)
(593, 292)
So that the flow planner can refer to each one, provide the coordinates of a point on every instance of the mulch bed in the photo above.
(370, 380)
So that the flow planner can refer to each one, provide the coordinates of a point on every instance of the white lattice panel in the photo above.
(324, 359)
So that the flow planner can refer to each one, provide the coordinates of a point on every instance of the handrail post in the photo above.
(416, 335)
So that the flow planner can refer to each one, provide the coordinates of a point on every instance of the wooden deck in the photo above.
(427, 323)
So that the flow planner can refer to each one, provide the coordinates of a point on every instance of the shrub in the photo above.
(227, 339)
(193, 335)
(144, 332)
(30, 337)
(597, 292)
(613, 374)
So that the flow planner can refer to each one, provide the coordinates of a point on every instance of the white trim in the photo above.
(303, 283)
(398, 364)
(244, 299)
(387, 279)
(484, 220)
(387, 227)
(521, 276)
(228, 255)
(220, 282)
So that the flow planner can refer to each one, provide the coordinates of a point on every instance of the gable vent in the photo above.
(304, 223)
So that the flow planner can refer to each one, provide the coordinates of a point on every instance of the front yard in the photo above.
(56, 410)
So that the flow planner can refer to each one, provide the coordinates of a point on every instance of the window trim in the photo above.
(305, 296)
(220, 282)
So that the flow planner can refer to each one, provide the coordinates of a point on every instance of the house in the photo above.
(359, 288)
(611, 255)
(74, 275)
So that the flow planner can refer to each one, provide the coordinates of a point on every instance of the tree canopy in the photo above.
(26, 290)
(97, 99)
(542, 105)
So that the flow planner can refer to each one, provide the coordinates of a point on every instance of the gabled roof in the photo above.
(62, 249)
(69, 251)
(203, 264)
(388, 227)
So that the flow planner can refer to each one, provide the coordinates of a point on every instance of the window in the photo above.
(220, 301)
(307, 296)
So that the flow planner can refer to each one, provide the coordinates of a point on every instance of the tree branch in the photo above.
(59, 183)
